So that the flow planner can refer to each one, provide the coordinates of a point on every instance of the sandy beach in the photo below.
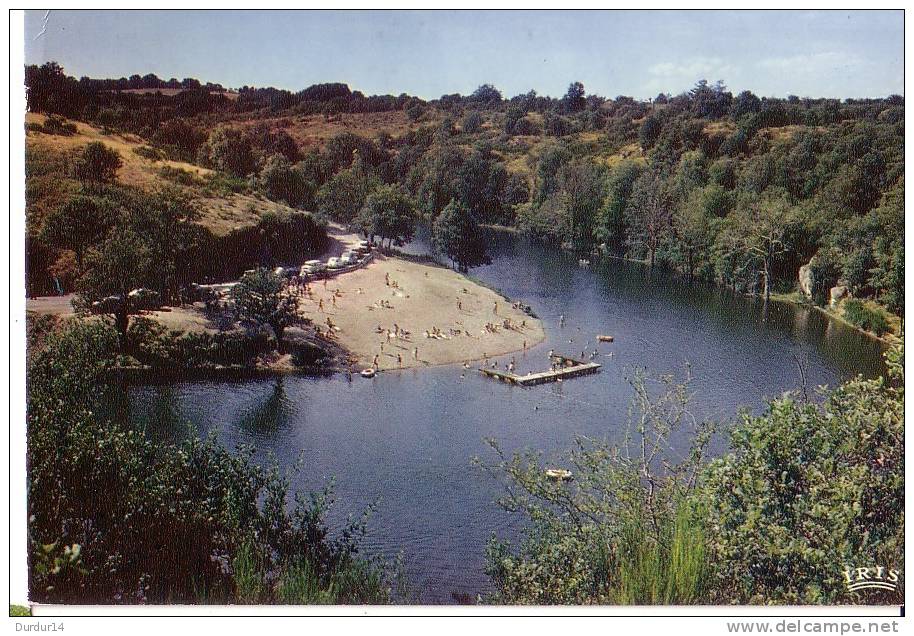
(427, 316)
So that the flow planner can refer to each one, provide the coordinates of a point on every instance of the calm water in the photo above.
(406, 440)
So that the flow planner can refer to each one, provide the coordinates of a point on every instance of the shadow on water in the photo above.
(271, 414)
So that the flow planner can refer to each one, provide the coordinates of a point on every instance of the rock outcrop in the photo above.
(837, 293)
(807, 280)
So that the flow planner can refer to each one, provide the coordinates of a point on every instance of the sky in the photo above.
(430, 53)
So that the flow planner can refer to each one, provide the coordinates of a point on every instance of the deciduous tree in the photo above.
(262, 297)
(456, 234)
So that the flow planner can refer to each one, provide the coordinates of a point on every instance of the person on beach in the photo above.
(320, 305)
(374, 362)
(416, 353)
(399, 360)
(495, 309)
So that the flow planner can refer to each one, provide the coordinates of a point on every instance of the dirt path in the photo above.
(55, 305)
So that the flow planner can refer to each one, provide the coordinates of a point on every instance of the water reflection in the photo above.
(269, 415)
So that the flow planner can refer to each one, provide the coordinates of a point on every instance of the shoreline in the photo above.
(799, 302)
(779, 297)
(789, 297)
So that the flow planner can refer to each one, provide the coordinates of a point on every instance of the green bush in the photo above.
(223, 184)
(306, 354)
(115, 517)
(154, 345)
(55, 125)
(148, 152)
(623, 531)
(177, 175)
(858, 314)
(808, 490)
(96, 164)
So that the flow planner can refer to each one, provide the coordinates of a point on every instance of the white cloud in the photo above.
(673, 77)
(811, 63)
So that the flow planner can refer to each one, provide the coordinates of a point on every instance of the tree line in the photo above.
(741, 190)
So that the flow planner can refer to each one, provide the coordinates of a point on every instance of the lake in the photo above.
(406, 439)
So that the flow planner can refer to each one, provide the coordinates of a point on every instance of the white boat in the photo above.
(367, 373)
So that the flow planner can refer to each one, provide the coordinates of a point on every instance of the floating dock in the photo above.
(567, 368)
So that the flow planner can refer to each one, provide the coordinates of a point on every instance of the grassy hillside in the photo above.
(49, 156)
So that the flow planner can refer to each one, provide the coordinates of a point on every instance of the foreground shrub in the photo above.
(807, 491)
(623, 530)
(117, 518)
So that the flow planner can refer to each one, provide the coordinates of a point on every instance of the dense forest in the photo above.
(740, 190)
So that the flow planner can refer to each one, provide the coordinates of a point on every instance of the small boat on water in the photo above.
(558, 474)
(367, 373)
(605, 338)
(583, 262)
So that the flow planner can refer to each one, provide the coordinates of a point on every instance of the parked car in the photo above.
(106, 305)
(312, 267)
(334, 263)
(195, 292)
(349, 258)
(143, 298)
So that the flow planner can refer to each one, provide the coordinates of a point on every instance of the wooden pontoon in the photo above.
(565, 368)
